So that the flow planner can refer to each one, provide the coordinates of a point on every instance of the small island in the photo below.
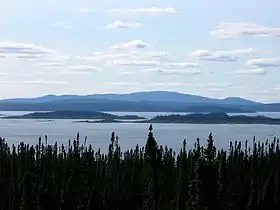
(74, 115)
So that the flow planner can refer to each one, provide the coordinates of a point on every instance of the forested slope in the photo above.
(152, 177)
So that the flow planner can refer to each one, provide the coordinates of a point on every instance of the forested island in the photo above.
(214, 118)
(70, 114)
(198, 118)
(195, 118)
(150, 176)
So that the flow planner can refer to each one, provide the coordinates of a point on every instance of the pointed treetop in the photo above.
(151, 128)
(113, 135)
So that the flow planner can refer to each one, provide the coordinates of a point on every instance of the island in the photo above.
(200, 118)
(105, 121)
(102, 117)
(214, 118)
(74, 115)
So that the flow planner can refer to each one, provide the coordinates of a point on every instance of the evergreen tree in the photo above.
(147, 177)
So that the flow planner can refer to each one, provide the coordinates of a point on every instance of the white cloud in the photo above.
(170, 84)
(153, 11)
(84, 10)
(139, 63)
(84, 68)
(18, 49)
(172, 71)
(101, 57)
(63, 25)
(132, 55)
(57, 58)
(225, 56)
(235, 29)
(276, 88)
(49, 65)
(214, 85)
(127, 73)
(25, 57)
(73, 72)
(212, 56)
(182, 65)
(68, 70)
(255, 71)
(153, 70)
(124, 25)
(3, 74)
(8, 82)
(121, 83)
(77, 70)
(181, 71)
(263, 63)
(45, 82)
(130, 45)
(151, 55)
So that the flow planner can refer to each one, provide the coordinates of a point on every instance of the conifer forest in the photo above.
(148, 177)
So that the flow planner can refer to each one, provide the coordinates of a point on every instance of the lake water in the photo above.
(131, 134)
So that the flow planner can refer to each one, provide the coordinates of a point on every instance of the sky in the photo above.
(220, 49)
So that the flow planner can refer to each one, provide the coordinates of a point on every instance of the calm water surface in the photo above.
(130, 134)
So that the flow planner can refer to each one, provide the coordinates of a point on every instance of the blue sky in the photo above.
(220, 49)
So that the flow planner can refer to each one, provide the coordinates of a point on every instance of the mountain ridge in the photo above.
(145, 101)
(164, 96)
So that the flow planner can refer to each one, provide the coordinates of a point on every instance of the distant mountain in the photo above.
(153, 96)
(153, 101)
(44, 99)
(238, 101)
(158, 96)
(117, 106)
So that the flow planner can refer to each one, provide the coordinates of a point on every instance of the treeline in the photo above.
(152, 177)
